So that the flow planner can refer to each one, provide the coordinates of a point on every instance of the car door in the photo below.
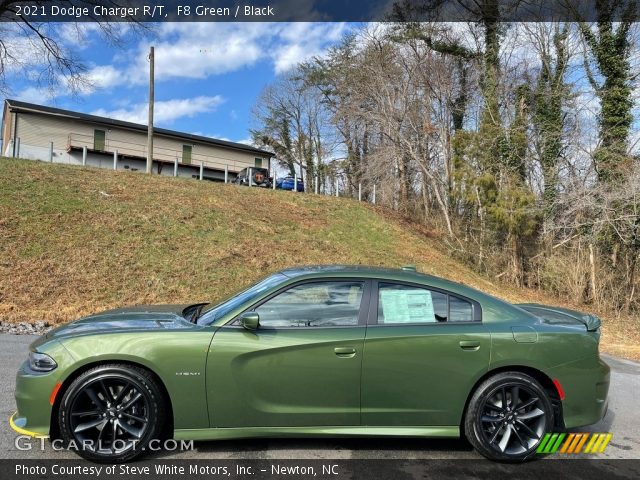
(300, 367)
(424, 350)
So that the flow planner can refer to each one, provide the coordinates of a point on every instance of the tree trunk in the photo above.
(592, 265)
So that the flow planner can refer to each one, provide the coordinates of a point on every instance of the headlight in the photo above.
(41, 362)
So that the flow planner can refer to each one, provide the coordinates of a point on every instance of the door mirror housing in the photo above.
(250, 320)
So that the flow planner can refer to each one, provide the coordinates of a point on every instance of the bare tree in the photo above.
(485, 132)
(292, 121)
(40, 50)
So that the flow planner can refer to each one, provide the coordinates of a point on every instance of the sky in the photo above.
(208, 75)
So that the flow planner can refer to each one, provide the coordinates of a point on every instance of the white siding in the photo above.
(37, 130)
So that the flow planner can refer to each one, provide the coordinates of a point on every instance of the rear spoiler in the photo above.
(590, 321)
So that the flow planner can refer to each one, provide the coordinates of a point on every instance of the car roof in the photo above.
(360, 270)
(494, 309)
(407, 274)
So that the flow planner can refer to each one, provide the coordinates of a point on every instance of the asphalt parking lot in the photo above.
(622, 419)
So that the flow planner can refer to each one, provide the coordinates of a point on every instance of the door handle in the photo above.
(470, 345)
(345, 352)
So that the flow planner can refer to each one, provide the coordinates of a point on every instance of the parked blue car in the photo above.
(288, 183)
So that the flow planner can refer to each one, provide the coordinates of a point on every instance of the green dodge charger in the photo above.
(317, 351)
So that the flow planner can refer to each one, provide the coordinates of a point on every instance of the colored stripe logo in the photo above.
(574, 443)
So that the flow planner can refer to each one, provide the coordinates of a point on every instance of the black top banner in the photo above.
(317, 10)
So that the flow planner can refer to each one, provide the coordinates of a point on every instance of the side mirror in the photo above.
(250, 320)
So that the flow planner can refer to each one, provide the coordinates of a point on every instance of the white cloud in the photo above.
(101, 77)
(298, 42)
(200, 50)
(219, 136)
(288, 56)
(197, 51)
(246, 141)
(33, 94)
(78, 35)
(166, 111)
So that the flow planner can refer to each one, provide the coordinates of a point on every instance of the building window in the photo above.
(99, 137)
(186, 154)
(258, 162)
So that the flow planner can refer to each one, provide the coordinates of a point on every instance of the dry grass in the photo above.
(79, 240)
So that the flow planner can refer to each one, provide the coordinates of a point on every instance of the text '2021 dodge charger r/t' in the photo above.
(331, 351)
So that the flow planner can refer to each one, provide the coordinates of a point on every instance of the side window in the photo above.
(460, 310)
(404, 304)
(317, 304)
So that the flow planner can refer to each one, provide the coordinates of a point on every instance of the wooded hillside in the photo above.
(517, 141)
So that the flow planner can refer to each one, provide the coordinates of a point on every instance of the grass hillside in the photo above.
(78, 240)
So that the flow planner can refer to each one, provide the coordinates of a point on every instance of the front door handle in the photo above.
(345, 352)
(469, 345)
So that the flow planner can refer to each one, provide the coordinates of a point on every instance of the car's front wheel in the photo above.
(110, 413)
(507, 417)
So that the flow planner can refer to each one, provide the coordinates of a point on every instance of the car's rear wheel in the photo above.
(507, 417)
(110, 413)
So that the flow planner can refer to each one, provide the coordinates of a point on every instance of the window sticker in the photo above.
(407, 306)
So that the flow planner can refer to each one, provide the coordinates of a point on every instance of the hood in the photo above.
(137, 318)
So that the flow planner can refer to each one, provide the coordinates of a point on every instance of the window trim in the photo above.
(362, 313)
(375, 300)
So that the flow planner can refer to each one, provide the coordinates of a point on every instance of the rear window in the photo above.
(404, 304)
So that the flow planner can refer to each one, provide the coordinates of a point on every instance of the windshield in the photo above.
(213, 311)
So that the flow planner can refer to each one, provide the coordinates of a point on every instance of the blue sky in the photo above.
(208, 75)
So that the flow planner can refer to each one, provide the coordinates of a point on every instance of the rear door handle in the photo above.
(469, 345)
(345, 352)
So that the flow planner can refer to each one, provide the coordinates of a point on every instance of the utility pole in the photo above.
(150, 124)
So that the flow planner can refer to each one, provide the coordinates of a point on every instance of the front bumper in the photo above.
(586, 386)
(16, 423)
(33, 391)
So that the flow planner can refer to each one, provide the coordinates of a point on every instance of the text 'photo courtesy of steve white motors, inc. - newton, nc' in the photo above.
(223, 469)
(152, 12)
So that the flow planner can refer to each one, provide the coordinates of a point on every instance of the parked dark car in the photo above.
(288, 183)
(259, 177)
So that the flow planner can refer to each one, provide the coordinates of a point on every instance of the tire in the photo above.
(501, 432)
(116, 409)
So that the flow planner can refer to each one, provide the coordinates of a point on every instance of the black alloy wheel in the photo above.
(507, 417)
(110, 413)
